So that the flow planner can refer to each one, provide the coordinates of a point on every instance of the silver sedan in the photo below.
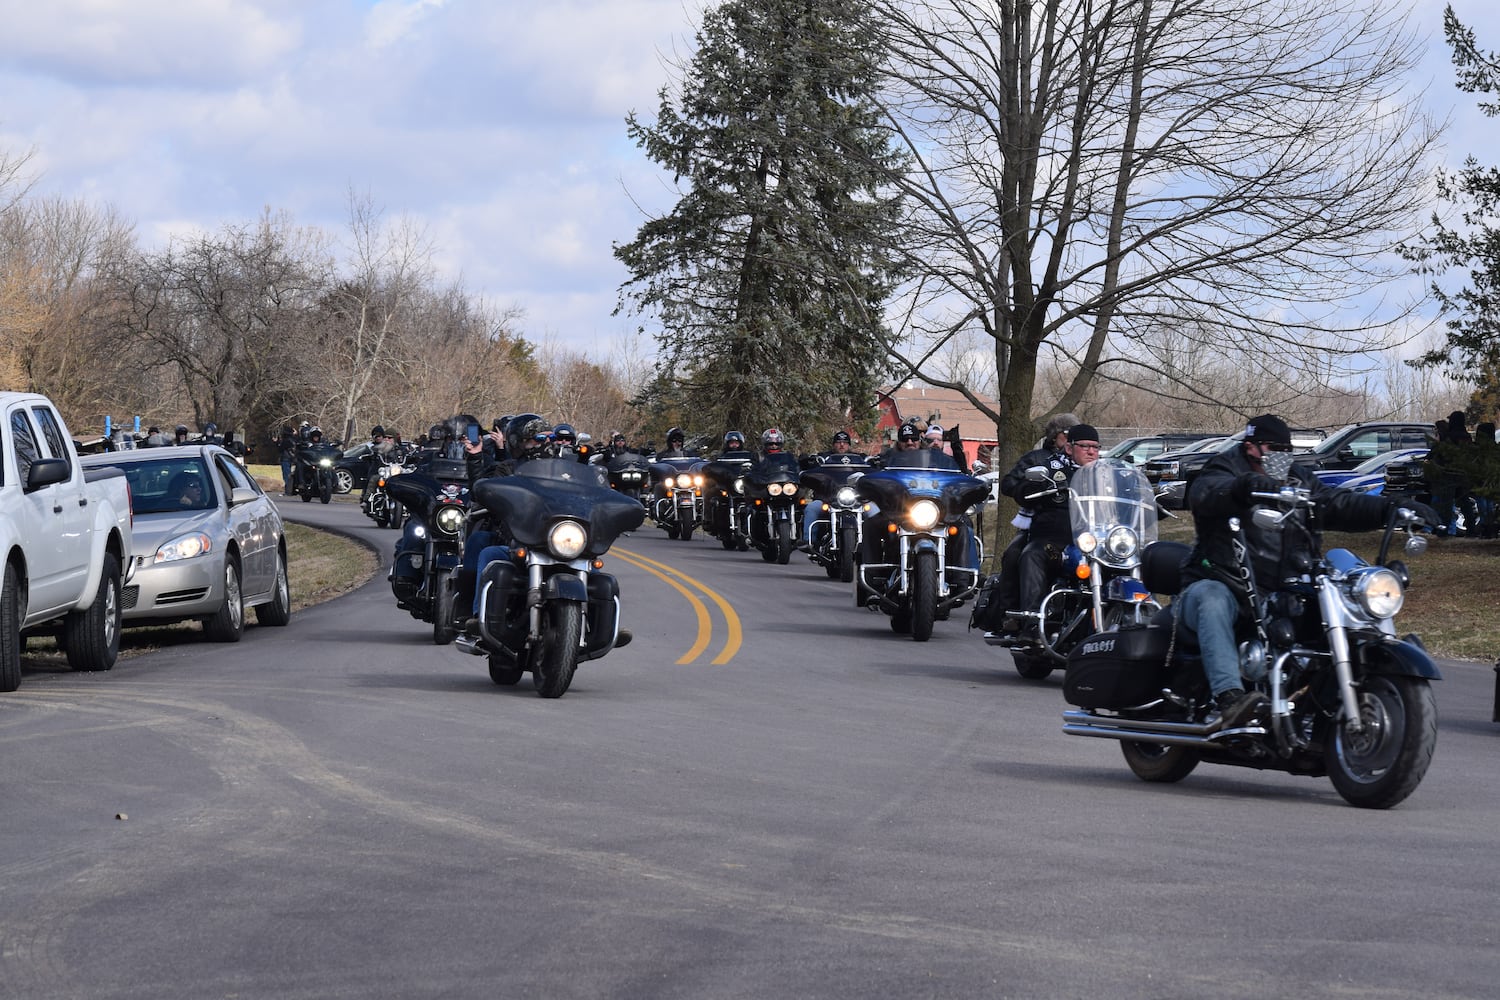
(208, 542)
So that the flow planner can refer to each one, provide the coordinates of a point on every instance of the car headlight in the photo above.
(1122, 543)
(924, 514)
(183, 547)
(567, 539)
(1379, 592)
(846, 496)
(450, 517)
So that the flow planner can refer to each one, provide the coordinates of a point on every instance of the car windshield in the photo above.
(169, 484)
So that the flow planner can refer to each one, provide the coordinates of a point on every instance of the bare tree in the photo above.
(1126, 184)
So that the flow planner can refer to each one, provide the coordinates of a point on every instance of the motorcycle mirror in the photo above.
(1037, 474)
(1265, 517)
(1416, 544)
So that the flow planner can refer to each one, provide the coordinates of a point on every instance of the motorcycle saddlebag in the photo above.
(989, 610)
(1119, 669)
(499, 584)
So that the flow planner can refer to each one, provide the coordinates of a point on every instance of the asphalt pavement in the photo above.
(768, 794)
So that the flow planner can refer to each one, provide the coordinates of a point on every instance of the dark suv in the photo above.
(1351, 445)
(1141, 449)
(1172, 473)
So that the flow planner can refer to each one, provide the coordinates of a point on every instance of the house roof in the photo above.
(944, 406)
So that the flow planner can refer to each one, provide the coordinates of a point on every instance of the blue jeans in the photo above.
(1208, 609)
(479, 551)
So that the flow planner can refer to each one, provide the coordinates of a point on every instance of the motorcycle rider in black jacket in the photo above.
(1014, 485)
(1051, 528)
(1214, 594)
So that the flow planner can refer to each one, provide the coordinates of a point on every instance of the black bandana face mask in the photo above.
(1278, 464)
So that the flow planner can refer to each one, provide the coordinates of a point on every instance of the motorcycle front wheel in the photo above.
(1031, 667)
(1159, 764)
(1381, 766)
(924, 596)
(443, 629)
(394, 512)
(783, 542)
(555, 661)
(685, 531)
(504, 671)
(325, 488)
(847, 546)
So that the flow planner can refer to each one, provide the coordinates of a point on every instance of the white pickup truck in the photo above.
(65, 535)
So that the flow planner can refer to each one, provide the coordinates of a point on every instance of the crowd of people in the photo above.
(1463, 475)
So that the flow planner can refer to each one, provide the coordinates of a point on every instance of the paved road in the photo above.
(806, 807)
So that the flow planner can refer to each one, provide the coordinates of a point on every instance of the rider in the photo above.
(616, 446)
(772, 442)
(1214, 596)
(1051, 522)
(840, 452)
(1014, 485)
(734, 448)
(676, 440)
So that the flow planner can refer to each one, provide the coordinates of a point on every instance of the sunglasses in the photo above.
(1273, 446)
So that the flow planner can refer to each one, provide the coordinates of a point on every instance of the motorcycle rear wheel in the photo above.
(1380, 767)
(1033, 668)
(924, 596)
(1159, 764)
(504, 672)
(554, 663)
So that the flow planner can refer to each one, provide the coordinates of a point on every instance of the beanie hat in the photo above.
(1268, 427)
(1082, 432)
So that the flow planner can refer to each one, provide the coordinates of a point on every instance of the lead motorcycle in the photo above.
(918, 571)
(1112, 509)
(430, 546)
(630, 474)
(315, 471)
(545, 605)
(773, 509)
(835, 535)
(677, 496)
(1349, 698)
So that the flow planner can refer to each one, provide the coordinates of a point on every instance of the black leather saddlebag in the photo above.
(989, 610)
(1118, 669)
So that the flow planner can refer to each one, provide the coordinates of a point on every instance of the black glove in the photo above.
(1253, 482)
(1425, 514)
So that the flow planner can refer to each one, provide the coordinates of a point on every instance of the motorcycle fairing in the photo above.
(418, 492)
(891, 488)
(545, 490)
(826, 480)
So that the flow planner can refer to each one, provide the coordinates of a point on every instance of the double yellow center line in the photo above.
(681, 582)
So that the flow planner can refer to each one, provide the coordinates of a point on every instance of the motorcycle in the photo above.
(630, 474)
(677, 496)
(1348, 698)
(920, 572)
(773, 520)
(429, 549)
(315, 471)
(376, 501)
(724, 502)
(834, 538)
(545, 606)
(1113, 512)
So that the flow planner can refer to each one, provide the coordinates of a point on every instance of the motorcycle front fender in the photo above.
(565, 587)
(924, 544)
(1399, 657)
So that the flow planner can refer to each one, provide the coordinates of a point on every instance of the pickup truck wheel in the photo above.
(228, 624)
(92, 636)
(10, 630)
(279, 611)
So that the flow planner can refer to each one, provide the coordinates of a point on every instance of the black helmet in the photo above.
(499, 425)
(565, 434)
(316, 432)
(377, 431)
(772, 439)
(524, 429)
(182, 428)
(675, 434)
(737, 438)
(435, 433)
(210, 429)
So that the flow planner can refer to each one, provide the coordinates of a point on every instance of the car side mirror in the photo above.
(241, 494)
(45, 472)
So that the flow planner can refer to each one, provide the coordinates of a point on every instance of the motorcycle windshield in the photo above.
(673, 466)
(418, 492)
(1113, 501)
(892, 486)
(826, 480)
(725, 472)
(780, 468)
(629, 460)
(545, 490)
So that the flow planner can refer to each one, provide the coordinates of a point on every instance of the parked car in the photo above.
(1137, 450)
(1370, 471)
(208, 541)
(1171, 474)
(1349, 446)
(65, 536)
(352, 470)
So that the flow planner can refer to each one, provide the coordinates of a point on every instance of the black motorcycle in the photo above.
(834, 537)
(918, 571)
(1348, 698)
(544, 605)
(724, 501)
(429, 549)
(773, 508)
(630, 474)
(314, 471)
(376, 501)
(677, 496)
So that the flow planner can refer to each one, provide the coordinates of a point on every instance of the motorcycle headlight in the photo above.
(924, 514)
(1378, 591)
(697, 480)
(739, 486)
(1087, 542)
(183, 547)
(668, 482)
(1122, 543)
(846, 496)
(450, 517)
(567, 540)
(326, 463)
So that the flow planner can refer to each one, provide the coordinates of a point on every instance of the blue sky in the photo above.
(497, 124)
